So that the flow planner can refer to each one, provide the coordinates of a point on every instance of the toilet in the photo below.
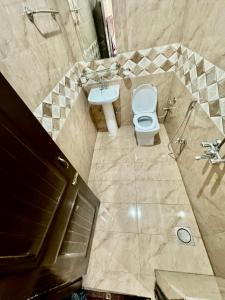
(144, 102)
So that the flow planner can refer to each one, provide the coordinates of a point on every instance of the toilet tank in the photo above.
(144, 99)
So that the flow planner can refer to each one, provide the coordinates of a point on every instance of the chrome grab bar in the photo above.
(30, 13)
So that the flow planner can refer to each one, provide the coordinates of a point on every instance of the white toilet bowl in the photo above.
(144, 102)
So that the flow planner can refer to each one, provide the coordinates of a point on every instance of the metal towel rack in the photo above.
(30, 13)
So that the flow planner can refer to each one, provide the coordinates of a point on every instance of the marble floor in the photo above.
(143, 200)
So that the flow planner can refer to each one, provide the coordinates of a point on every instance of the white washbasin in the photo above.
(98, 96)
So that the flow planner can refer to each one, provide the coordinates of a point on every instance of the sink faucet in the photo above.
(103, 83)
(212, 151)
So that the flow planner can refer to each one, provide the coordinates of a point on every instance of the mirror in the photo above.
(94, 25)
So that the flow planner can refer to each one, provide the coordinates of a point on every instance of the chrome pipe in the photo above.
(30, 13)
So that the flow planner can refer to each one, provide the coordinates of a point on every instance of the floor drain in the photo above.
(184, 235)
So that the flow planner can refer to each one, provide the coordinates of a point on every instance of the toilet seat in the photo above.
(144, 103)
(145, 121)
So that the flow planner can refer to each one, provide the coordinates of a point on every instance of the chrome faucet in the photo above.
(103, 83)
(212, 151)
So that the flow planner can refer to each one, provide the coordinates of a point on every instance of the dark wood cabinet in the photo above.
(47, 212)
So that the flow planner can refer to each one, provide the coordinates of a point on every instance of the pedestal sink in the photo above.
(105, 97)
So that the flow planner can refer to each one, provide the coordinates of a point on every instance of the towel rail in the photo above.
(30, 13)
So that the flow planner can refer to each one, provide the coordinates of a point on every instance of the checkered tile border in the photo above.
(55, 108)
(205, 81)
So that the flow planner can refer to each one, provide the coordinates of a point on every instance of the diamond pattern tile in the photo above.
(54, 109)
(205, 81)
(136, 57)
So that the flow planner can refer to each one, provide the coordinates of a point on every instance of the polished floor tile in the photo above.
(116, 156)
(115, 252)
(112, 171)
(162, 218)
(161, 191)
(118, 217)
(143, 199)
(115, 282)
(147, 285)
(157, 170)
(114, 192)
(151, 154)
(118, 142)
(126, 131)
(166, 253)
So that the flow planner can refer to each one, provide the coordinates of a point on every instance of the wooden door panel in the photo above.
(31, 190)
(47, 214)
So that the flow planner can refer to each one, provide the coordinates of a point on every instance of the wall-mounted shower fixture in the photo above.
(212, 152)
(31, 12)
(168, 109)
(178, 136)
(172, 102)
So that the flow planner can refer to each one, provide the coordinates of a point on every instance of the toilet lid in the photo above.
(144, 99)
(144, 122)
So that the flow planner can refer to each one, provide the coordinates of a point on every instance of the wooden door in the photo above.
(47, 212)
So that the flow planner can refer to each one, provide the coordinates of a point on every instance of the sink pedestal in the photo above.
(105, 97)
(110, 118)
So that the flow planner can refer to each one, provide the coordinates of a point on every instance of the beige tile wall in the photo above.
(204, 182)
(31, 61)
(197, 24)
(141, 24)
(203, 29)
(77, 137)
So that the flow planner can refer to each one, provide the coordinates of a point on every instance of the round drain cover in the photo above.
(184, 235)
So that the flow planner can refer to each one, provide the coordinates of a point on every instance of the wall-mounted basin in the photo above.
(105, 97)
(100, 96)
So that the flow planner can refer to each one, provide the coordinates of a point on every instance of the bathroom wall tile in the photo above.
(22, 46)
(57, 105)
(137, 63)
(215, 247)
(118, 217)
(91, 176)
(203, 182)
(161, 191)
(163, 255)
(221, 88)
(157, 25)
(202, 36)
(162, 219)
(214, 108)
(204, 81)
(77, 138)
(222, 106)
